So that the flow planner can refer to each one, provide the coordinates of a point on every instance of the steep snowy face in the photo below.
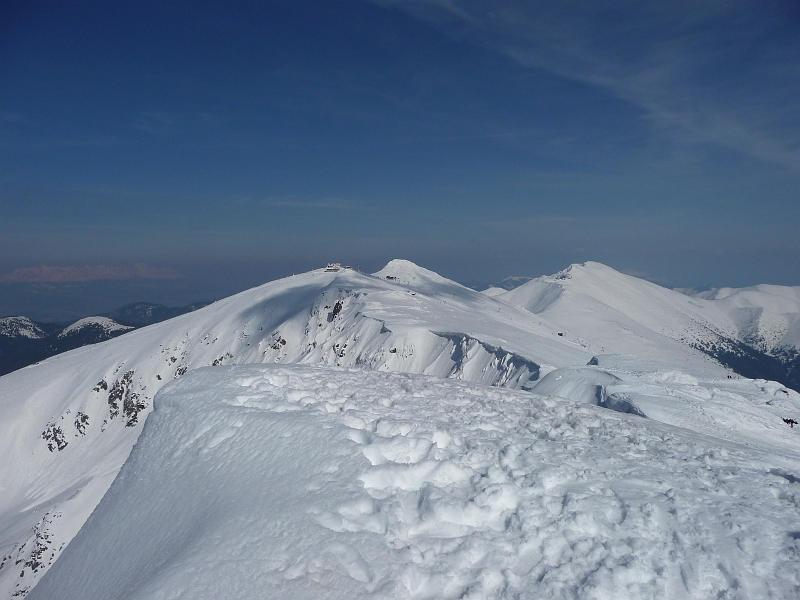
(70, 421)
(315, 482)
(20, 327)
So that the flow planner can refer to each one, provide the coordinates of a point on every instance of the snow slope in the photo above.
(318, 482)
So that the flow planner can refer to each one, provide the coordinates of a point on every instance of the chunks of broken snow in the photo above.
(315, 482)
(746, 411)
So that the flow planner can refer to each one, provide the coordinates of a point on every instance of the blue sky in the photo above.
(179, 151)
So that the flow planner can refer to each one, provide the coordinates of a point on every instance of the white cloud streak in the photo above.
(68, 274)
(321, 203)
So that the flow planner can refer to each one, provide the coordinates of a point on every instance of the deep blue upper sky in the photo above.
(224, 144)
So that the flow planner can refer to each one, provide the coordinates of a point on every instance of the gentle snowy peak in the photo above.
(627, 315)
(494, 291)
(15, 327)
(309, 482)
(102, 325)
(406, 273)
(623, 314)
(657, 308)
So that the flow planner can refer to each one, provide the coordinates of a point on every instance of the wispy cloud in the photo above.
(721, 73)
(164, 123)
(158, 123)
(11, 117)
(321, 203)
(65, 274)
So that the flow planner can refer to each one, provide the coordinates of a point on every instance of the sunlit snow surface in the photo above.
(320, 482)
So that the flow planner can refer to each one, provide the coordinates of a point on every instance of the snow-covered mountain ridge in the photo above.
(70, 422)
(103, 324)
(91, 402)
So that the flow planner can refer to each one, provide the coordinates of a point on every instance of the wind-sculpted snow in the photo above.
(746, 411)
(352, 328)
(317, 482)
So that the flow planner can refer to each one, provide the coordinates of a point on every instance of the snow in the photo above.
(52, 467)
(411, 394)
(108, 325)
(20, 327)
(409, 273)
(319, 482)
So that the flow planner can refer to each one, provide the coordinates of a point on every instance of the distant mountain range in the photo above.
(140, 314)
(510, 283)
(24, 342)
